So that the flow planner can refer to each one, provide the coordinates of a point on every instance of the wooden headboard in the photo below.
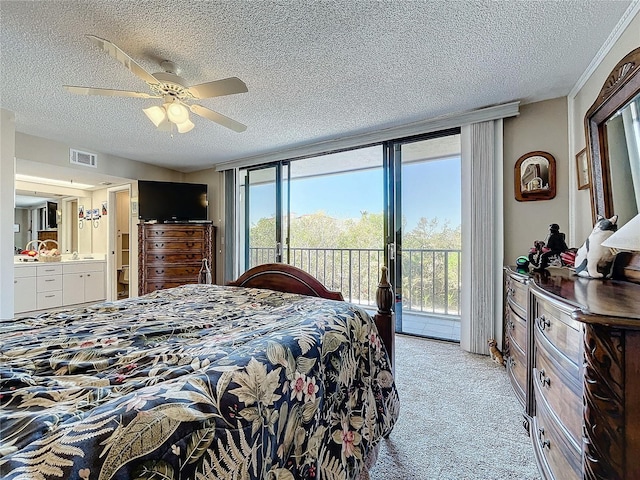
(284, 278)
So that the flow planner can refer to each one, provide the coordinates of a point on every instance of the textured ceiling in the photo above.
(315, 70)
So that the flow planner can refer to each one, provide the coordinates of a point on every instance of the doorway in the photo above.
(118, 263)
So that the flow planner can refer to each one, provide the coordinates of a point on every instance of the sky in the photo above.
(430, 189)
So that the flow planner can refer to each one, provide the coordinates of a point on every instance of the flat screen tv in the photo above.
(172, 201)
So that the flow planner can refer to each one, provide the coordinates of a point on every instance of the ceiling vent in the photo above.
(83, 158)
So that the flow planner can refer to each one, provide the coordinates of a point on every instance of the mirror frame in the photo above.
(622, 84)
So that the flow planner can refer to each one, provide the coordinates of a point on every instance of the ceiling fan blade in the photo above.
(218, 88)
(107, 92)
(124, 59)
(218, 118)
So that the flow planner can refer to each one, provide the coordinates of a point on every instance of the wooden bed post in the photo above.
(385, 319)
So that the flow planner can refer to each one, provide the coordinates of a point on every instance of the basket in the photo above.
(36, 247)
(43, 247)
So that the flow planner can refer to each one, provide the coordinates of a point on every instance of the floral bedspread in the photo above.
(196, 382)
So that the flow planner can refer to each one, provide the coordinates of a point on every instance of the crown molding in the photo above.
(627, 17)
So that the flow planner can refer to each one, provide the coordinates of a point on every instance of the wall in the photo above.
(50, 152)
(215, 195)
(540, 126)
(582, 101)
(7, 202)
(21, 217)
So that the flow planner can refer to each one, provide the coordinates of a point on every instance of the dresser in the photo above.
(170, 255)
(580, 392)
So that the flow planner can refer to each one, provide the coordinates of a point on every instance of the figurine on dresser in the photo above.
(593, 259)
(544, 254)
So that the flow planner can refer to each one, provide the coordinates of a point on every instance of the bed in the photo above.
(270, 377)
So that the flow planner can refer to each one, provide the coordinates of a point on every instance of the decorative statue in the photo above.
(542, 253)
(593, 260)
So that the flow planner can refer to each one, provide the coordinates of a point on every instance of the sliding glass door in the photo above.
(264, 197)
(343, 215)
(426, 194)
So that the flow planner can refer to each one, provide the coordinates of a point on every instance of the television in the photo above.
(172, 201)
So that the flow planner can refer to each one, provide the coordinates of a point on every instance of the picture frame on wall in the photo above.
(582, 170)
(535, 177)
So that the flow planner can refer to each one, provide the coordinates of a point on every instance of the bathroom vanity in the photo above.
(46, 285)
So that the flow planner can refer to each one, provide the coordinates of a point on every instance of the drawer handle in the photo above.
(191, 255)
(159, 271)
(50, 280)
(49, 296)
(512, 362)
(159, 245)
(543, 323)
(543, 443)
(544, 380)
(190, 244)
(159, 232)
(190, 232)
(159, 257)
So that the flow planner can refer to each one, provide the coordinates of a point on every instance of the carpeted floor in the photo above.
(459, 418)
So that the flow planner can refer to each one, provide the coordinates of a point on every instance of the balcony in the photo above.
(430, 284)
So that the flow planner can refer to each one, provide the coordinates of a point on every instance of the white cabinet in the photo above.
(37, 286)
(48, 285)
(41, 286)
(83, 282)
(24, 284)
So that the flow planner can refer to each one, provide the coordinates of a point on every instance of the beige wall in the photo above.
(49, 152)
(584, 98)
(540, 126)
(215, 194)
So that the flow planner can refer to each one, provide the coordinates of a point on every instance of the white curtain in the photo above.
(482, 235)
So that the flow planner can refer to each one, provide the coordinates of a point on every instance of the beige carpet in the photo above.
(459, 418)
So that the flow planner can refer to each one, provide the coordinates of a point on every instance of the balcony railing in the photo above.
(430, 283)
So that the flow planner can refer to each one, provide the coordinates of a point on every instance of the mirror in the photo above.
(612, 127)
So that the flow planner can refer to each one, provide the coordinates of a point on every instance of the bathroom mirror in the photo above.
(612, 126)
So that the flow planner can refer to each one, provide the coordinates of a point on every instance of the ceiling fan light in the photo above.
(185, 127)
(156, 114)
(177, 113)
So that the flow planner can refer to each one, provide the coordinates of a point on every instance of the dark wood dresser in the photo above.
(582, 380)
(170, 254)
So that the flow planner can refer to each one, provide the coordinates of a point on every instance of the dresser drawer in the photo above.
(159, 258)
(155, 232)
(173, 272)
(517, 294)
(48, 283)
(161, 285)
(46, 300)
(560, 389)
(563, 332)
(49, 269)
(159, 246)
(517, 371)
(516, 328)
(551, 443)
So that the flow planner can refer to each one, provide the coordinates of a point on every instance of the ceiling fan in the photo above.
(172, 89)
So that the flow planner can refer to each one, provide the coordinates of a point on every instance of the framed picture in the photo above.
(582, 165)
(535, 177)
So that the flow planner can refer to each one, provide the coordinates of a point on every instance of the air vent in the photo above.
(83, 158)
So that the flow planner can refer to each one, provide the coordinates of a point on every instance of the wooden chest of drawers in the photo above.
(170, 255)
(517, 337)
(581, 382)
(557, 380)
